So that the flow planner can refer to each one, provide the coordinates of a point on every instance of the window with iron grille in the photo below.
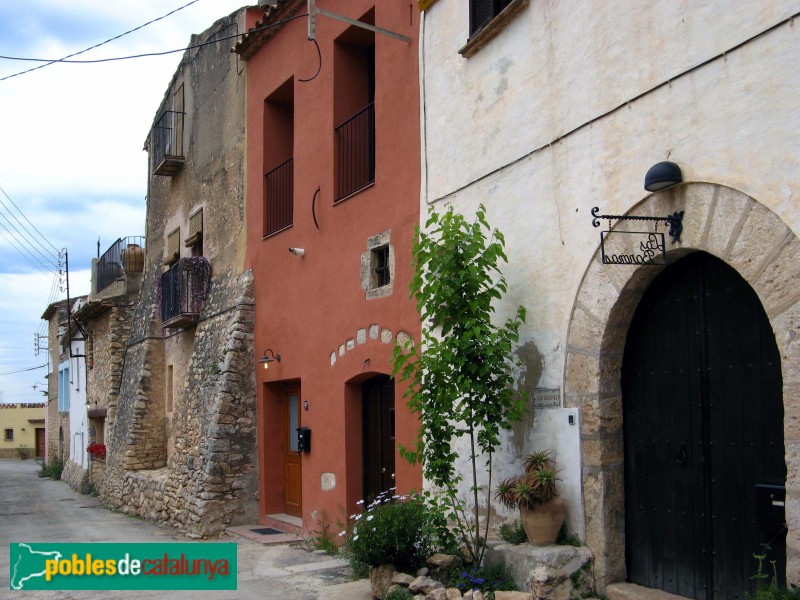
(278, 161)
(354, 109)
(481, 13)
(173, 251)
(381, 259)
(377, 266)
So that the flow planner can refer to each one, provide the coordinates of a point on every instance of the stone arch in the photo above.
(762, 248)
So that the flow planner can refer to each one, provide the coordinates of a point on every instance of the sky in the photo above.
(72, 168)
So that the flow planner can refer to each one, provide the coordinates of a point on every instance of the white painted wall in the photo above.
(78, 421)
(527, 126)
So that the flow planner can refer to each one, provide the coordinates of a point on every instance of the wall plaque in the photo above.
(546, 398)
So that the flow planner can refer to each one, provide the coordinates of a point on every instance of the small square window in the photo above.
(8, 435)
(377, 266)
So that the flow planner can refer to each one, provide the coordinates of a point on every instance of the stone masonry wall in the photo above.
(210, 479)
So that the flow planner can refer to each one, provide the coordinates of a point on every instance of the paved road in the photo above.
(43, 510)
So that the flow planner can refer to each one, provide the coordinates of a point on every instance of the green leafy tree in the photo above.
(462, 373)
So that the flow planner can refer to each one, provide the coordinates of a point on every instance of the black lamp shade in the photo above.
(662, 175)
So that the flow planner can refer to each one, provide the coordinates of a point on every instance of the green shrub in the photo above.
(767, 587)
(488, 578)
(403, 531)
(52, 470)
(400, 593)
(513, 533)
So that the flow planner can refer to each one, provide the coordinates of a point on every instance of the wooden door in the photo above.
(40, 441)
(703, 427)
(292, 465)
(378, 435)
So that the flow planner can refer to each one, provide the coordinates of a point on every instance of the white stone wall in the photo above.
(566, 108)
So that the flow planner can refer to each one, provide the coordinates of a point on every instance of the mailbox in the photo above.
(770, 507)
(303, 439)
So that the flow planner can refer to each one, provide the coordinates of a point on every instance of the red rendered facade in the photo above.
(313, 310)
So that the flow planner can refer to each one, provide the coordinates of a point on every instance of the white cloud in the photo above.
(72, 135)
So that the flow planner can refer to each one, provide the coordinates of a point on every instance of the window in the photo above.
(377, 266)
(195, 239)
(354, 109)
(63, 387)
(167, 138)
(8, 435)
(173, 251)
(169, 388)
(381, 260)
(487, 18)
(278, 161)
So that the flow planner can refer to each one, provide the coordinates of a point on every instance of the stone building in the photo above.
(332, 201)
(181, 447)
(677, 387)
(116, 279)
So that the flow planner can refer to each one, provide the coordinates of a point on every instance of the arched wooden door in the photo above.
(703, 425)
(378, 435)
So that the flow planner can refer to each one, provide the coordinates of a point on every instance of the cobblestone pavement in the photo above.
(43, 510)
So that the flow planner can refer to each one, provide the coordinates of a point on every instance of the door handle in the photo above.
(682, 455)
(383, 470)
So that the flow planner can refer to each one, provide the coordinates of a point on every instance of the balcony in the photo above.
(355, 153)
(168, 156)
(278, 197)
(183, 291)
(124, 256)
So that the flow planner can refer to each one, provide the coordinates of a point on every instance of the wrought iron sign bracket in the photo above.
(673, 221)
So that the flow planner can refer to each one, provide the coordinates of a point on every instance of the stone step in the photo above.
(631, 591)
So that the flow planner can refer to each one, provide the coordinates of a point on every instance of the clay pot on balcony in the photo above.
(133, 258)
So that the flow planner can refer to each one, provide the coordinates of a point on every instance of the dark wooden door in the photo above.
(703, 426)
(378, 439)
(292, 464)
(40, 441)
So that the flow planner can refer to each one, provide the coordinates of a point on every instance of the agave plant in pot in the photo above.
(535, 493)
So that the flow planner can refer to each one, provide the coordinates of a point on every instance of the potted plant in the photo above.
(535, 493)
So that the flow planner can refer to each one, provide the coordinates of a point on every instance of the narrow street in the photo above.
(43, 510)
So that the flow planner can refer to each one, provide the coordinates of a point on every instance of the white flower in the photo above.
(355, 537)
(370, 517)
(360, 502)
(341, 533)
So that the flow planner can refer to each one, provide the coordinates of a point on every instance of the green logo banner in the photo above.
(171, 566)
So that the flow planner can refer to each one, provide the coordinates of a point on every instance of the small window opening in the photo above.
(381, 261)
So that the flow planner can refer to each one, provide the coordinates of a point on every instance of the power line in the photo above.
(165, 52)
(23, 370)
(46, 257)
(26, 218)
(47, 270)
(101, 43)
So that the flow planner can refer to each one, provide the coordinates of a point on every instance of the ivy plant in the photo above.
(462, 373)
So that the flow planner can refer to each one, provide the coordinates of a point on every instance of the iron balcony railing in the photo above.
(126, 255)
(168, 143)
(355, 152)
(278, 192)
(183, 291)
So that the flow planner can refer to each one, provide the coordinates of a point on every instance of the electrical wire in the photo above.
(33, 260)
(103, 43)
(23, 370)
(147, 54)
(28, 220)
(319, 67)
(28, 239)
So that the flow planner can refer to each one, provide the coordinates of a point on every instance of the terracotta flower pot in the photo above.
(543, 524)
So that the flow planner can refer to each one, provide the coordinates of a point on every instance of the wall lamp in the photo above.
(265, 360)
(662, 175)
(297, 251)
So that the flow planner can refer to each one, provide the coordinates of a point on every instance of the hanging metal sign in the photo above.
(632, 248)
(636, 247)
